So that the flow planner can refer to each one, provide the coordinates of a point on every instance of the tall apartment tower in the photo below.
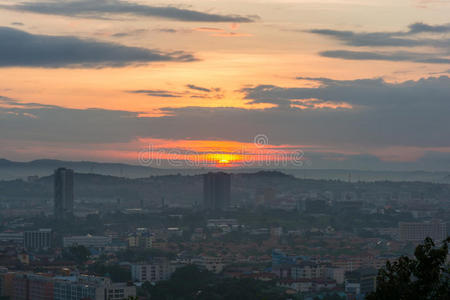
(63, 193)
(216, 190)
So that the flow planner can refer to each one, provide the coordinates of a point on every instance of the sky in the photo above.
(201, 83)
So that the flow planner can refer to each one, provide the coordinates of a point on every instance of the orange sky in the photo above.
(273, 50)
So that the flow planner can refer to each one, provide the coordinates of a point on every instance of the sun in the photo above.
(222, 160)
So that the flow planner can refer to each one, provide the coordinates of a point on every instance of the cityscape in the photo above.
(300, 237)
(224, 150)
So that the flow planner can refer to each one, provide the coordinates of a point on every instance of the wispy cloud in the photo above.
(198, 88)
(134, 32)
(232, 34)
(209, 29)
(191, 91)
(418, 35)
(219, 32)
(391, 39)
(387, 56)
(158, 93)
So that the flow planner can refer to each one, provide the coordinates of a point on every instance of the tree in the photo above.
(425, 277)
(80, 254)
(115, 272)
(193, 283)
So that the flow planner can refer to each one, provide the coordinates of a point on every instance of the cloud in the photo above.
(198, 88)
(27, 121)
(166, 30)
(22, 49)
(158, 93)
(410, 113)
(422, 27)
(362, 93)
(405, 114)
(413, 37)
(209, 29)
(130, 33)
(388, 56)
(378, 39)
(89, 8)
(231, 34)
(17, 24)
(390, 39)
(219, 32)
(191, 91)
(139, 32)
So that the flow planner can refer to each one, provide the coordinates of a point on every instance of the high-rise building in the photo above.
(63, 183)
(216, 190)
(38, 239)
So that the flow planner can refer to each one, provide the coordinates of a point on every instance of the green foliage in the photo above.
(425, 277)
(115, 272)
(192, 283)
(137, 255)
(333, 296)
(79, 254)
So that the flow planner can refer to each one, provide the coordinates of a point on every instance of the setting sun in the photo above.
(222, 159)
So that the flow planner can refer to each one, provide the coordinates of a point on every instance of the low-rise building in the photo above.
(38, 239)
(142, 238)
(12, 238)
(418, 231)
(29, 286)
(308, 270)
(212, 264)
(157, 270)
(89, 241)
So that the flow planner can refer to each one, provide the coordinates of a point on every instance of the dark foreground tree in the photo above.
(425, 277)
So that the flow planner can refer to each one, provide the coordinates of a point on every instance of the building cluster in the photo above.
(314, 274)
(292, 239)
(28, 286)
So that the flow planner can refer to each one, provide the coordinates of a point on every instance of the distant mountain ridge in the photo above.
(44, 167)
(59, 163)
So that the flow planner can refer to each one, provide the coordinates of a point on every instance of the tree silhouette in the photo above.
(425, 277)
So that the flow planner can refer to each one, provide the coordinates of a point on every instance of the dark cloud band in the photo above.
(417, 35)
(387, 56)
(89, 8)
(22, 49)
(411, 113)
